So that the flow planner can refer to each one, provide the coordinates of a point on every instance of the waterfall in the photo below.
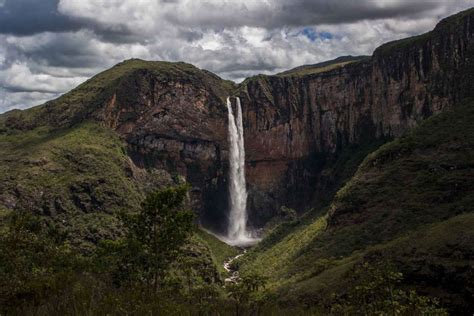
(237, 230)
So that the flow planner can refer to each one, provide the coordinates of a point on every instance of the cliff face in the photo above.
(171, 123)
(400, 208)
(295, 125)
(177, 124)
(173, 119)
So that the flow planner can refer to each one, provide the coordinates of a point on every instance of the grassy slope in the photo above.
(435, 260)
(81, 171)
(424, 178)
(220, 250)
(197, 264)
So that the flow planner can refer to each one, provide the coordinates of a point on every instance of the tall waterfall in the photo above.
(237, 230)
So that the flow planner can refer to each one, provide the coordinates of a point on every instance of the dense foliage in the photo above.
(160, 264)
(154, 238)
(149, 271)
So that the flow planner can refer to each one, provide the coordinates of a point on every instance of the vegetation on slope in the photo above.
(425, 176)
(159, 266)
(84, 172)
(400, 205)
(219, 249)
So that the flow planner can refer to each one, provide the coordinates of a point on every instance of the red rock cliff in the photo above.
(294, 124)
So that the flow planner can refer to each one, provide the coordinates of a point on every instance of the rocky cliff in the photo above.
(298, 125)
(177, 124)
(169, 122)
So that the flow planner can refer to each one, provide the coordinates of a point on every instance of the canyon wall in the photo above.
(176, 124)
(297, 126)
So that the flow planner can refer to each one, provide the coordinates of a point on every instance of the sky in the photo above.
(48, 47)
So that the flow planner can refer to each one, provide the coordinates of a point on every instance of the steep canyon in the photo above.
(297, 125)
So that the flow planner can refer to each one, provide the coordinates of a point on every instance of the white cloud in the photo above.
(23, 100)
(231, 38)
(18, 77)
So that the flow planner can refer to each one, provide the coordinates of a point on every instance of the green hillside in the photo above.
(219, 249)
(82, 172)
(411, 202)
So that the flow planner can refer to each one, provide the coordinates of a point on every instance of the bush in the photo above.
(375, 290)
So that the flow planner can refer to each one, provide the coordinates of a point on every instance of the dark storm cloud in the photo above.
(27, 17)
(281, 13)
(65, 50)
(313, 12)
(259, 62)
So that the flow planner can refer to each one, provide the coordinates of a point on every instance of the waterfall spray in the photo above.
(237, 230)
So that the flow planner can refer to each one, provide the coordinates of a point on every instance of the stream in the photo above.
(234, 274)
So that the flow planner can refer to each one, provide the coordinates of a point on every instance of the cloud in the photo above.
(26, 17)
(23, 100)
(147, 17)
(18, 78)
(49, 46)
(280, 13)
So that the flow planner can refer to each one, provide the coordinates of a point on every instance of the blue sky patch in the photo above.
(312, 35)
(325, 35)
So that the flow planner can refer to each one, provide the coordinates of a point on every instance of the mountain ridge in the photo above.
(299, 131)
(360, 178)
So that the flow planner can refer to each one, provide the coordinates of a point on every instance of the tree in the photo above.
(154, 237)
(242, 290)
(375, 290)
(35, 261)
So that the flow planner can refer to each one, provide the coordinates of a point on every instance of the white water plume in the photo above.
(238, 233)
